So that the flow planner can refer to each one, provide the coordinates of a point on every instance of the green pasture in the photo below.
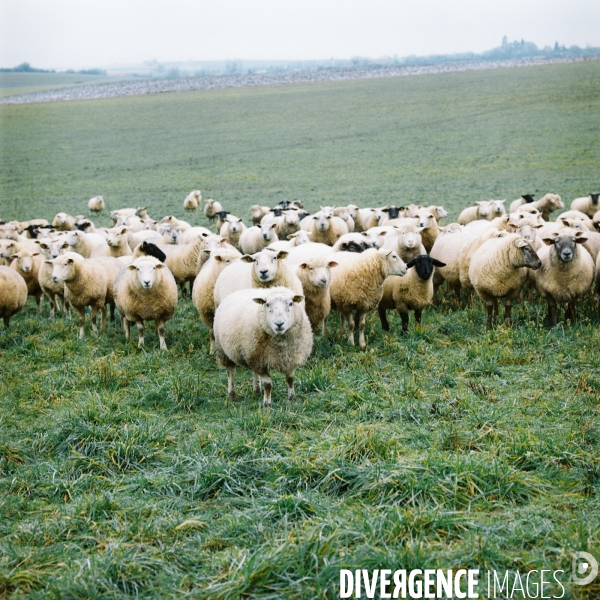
(127, 472)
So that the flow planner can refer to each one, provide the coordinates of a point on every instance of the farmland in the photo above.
(126, 471)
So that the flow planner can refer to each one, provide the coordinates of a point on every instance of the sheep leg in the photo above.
(383, 318)
(103, 314)
(552, 312)
(94, 314)
(507, 312)
(140, 328)
(570, 312)
(256, 383)
(268, 385)
(490, 313)
(81, 313)
(160, 330)
(38, 302)
(342, 323)
(231, 382)
(112, 310)
(53, 304)
(456, 289)
(211, 334)
(404, 317)
(361, 329)
(418, 313)
(350, 318)
(290, 383)
(126, 327)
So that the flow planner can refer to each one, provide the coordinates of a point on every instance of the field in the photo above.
(127, 472)
(24, 83)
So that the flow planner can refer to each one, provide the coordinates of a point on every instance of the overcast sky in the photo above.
(64, 34)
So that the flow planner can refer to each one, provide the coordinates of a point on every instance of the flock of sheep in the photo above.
(264, 290)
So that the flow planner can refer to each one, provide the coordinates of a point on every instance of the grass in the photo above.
(12, 84)
(126, 471)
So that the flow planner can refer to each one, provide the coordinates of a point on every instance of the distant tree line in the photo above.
(27, 68)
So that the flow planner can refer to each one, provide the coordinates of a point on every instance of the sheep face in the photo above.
(322, 221)
(352, 210)
(116, 238)
(25, 260)
(172, 235)
(410, 239)
(393, 211)
(7, 248)
(564, 244)
(526, 255)
(498, 207)
(319, 275)
(439, 212)
(393, 264)
(53, 248)
(374, 239)
(63, 268)
(594, 198)
(279, 311)
(423, 265)
(265, 263)
(485, 209)
(235, 224)
(146, 271)
(426, 219)
(301, 237)
(73, 237)
(60, 218)
(266, 231)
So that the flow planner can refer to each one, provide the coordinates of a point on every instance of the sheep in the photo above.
(203, 290)
(498, 270)
(344, 213)
(265, 331)
(288, 223)
(84, 243)
(212, 242)
(211, 209)
(10, 247)
(232, 229)
(466, 252)
(498, 209)
(577, 219)
(63, 222)
(408, 242)
(596, 221)
(255, 238)
(193, 200)
(116, 244)
(588, 204)
(182, 260)
(391, 212)
(27, 264)
(170, 236)
(366, 218)
(294, 240)
(96, 204)
(133, 223)
(481, 210)
(192, 234)
(315, 277)
(50, 250)
(429, 228)
(88, 282)
(324, 228)
(13, 293)
(148, 249)
(357, 286)
(146, 291)
(142, 213)
(567, 272)
(355, 242)
(522, 201)
(257, 212)
(439, 212)
(262, 269)
(412, 291)
(147, 235)
(546, 205)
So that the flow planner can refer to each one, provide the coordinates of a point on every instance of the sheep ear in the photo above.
(579, 239)
(259, 300)
(548, 241)
(247, 258)
(332, 264)
(282, 254)
(521, 243)
(343, 246)
(124, 230)
(35, 254)
(292, 236)
(49, 262)
(14, 256)
(512, 226)
(303, 266)
(298, 298)
(437, 263)
(222, 240)
(69, 261)
(131, 267)
(161, 265)
(383, 233)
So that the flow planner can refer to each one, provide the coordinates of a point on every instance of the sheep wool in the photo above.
(13, 293)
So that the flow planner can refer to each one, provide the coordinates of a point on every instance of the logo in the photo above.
(585, 568)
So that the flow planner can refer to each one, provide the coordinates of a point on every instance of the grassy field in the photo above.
(127, 472)
(12, 84)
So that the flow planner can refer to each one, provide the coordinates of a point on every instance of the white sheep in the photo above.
(466, 252)
(88, 282)
(27, 264)
(305, 252)
(499, 270)
(481, 210)
(84, 243)
(96, 204)
(203, 290)
(589, 205)
(182, 260)
(357, 286)
(344, 213)
(146, 291)
(294, 240)
(193, 200)
(567, 272)
(63, 222)
(115, 245)
(524, 200)
(211, 209)
(315, 277)
(50, 250)
(260, 270)
(264, 331)
(255, 238)
(13, 293)
(257, 212)
(439, 212)
(429, 228)
(546, 205)
(368, 217)
(359, 242)
(232, 229)
(413, 291)
(324, 228)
